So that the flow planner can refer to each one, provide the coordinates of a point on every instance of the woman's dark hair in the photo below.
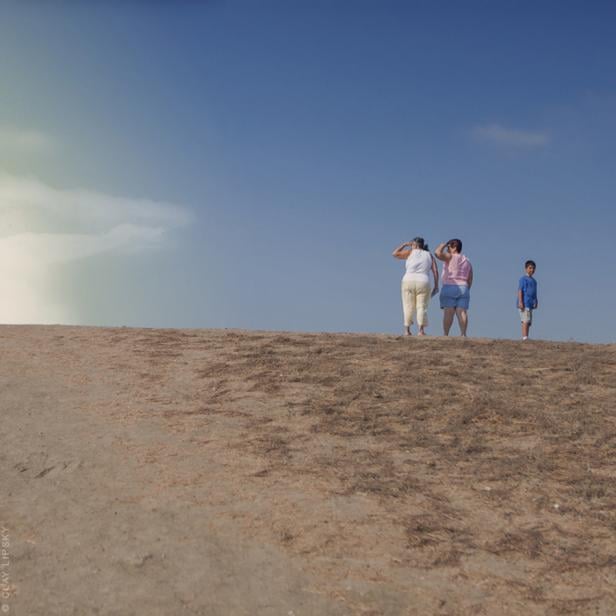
(457, 244)
(421, 244)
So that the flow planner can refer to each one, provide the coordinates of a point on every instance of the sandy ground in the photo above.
(219, 472)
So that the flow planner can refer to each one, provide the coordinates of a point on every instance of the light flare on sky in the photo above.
(43, 227)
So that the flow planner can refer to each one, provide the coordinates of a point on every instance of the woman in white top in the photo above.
(416, 282)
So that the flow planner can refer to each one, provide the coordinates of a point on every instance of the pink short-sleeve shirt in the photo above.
(457, 270)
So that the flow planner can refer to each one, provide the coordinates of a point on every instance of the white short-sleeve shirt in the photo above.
(418, 266)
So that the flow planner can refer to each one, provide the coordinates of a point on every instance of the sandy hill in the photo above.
(164, 472)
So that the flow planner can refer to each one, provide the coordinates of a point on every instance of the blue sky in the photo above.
(253, 164)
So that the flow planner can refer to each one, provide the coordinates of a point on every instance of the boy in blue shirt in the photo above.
(527, 298)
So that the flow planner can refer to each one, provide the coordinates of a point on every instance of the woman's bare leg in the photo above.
(448, 319)
(462, 320)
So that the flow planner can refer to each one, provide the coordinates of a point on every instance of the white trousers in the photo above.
(415, 299)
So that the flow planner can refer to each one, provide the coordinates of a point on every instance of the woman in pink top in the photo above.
(457, 283)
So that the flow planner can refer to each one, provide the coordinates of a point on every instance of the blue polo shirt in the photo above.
(528, 286)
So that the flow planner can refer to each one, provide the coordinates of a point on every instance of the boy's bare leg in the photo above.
(462, 320)
(525, 329)
(448, 319)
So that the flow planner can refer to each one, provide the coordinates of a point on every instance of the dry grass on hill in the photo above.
(229, 472)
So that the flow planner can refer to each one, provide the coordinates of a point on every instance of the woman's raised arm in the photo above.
(400, 253)
(440, 252)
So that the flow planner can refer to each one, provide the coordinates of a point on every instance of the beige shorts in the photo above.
(526, 315)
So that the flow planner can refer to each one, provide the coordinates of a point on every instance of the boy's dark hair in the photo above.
(530, 262)
(421, 244)
(457, 244)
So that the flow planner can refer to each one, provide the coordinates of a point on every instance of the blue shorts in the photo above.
(455, 296)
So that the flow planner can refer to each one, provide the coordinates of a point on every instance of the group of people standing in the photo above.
(456, 282)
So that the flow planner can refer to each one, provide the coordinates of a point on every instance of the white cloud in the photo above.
(16, 140)
(495, 133)
(42, 227)
(27, 204)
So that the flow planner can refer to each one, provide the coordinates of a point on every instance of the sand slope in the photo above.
(226, 472)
